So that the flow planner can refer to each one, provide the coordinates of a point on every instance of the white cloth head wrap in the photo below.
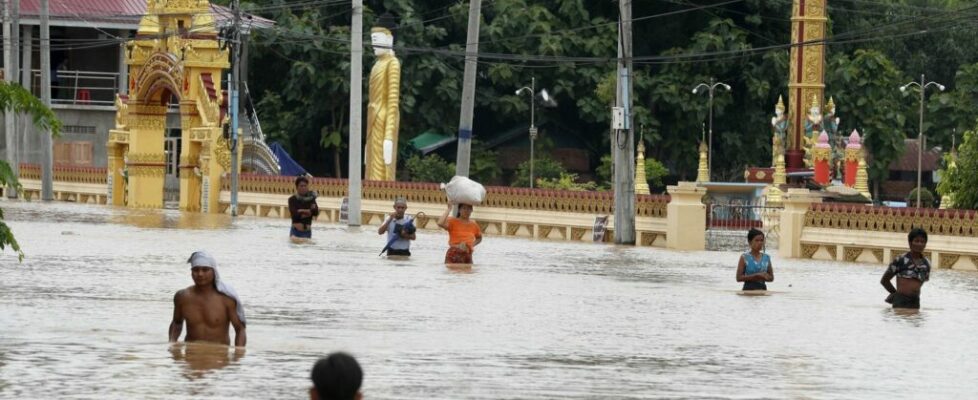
(203, 259)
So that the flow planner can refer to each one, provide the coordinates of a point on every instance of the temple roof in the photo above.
(930, 160)
(116, 14)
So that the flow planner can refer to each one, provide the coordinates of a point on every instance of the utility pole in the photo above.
(26, 66)
(356, 115)
(13, 145)
(235, 85)
(468, 90)
(9, 124)
(47, 156)
(623, 139)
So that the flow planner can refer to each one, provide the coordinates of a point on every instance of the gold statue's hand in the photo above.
(388, 151)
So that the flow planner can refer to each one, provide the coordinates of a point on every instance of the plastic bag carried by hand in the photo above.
(462, 190)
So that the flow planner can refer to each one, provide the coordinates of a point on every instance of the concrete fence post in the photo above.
(796, 204)
(686, 220)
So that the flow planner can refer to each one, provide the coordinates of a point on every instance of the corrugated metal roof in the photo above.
(126, 12)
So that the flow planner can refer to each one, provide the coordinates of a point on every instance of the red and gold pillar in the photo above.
(807, 71)
(853, 150)
(822, 159)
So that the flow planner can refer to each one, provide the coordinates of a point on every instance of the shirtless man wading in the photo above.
(208, 306)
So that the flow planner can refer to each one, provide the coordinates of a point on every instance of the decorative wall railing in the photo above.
(890, 219)
(93, 175)
(497, 196)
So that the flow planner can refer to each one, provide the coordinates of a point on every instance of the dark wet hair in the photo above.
(753, 233)
(301, 179)
(915, 233)
(337, 377)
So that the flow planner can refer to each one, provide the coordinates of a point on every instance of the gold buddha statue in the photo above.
(383, 108)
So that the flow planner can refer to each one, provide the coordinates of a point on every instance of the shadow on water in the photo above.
(199, 359)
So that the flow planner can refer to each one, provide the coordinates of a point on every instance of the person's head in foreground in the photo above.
(302, 185)
(918, 240)
(464, 211)
(336, 377)
(400, 206)
(755, 238)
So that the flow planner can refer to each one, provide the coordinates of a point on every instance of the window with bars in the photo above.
(78, 129)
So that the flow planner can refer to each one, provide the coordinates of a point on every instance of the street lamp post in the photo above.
(922, 85)
(710, 88)
(533, 128)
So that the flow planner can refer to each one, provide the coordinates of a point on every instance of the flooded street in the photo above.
(86, 316)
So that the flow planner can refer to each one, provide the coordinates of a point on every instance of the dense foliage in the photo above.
(300, 73)
(16, 99)
(961, 182)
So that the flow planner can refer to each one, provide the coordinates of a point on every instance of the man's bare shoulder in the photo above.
(229, 301)
(183, 294)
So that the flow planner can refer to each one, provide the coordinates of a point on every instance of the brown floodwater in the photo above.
(86, 315)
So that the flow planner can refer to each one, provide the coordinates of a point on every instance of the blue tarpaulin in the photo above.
(289, 166)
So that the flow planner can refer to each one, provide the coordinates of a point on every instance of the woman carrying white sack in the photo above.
(463, 233)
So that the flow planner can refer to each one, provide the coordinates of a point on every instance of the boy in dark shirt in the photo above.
(302, 207)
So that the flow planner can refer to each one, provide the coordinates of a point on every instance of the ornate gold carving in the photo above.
(822, 154)
(222, 153)
(885, 219)
(512, 228)
(118, 137)
(808, 250)
(543, 231)
(96, 175)
(850, 254)
(832, 251)
(878, 253)
(148, 122)
(648, 238)
(577, 233)
(147, 170)
(139, 158)
(948, 260)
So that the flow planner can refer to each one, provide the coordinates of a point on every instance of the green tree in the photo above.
(871, 103)
(926, 198)
(654, 172)
(484, 166)
(566, 181)
(544, 168)
(16, 99)
(430, 168)
(961, 182)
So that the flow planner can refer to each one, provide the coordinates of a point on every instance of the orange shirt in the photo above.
(461, 231)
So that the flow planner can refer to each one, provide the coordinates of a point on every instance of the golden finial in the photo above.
(703, 172)
(780, 105)
(830, 107)
(814, 100)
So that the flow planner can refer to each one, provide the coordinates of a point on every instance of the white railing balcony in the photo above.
(71, 87)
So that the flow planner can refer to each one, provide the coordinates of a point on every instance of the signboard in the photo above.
(345, 210)
(599, 228)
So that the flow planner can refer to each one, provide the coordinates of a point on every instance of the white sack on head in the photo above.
(462, 190)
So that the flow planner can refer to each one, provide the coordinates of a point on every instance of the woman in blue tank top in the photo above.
(755, 267)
